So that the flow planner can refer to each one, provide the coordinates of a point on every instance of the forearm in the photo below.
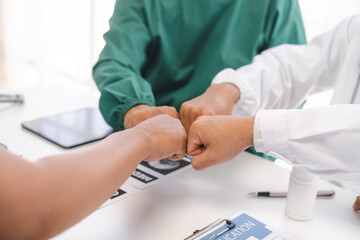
(58, 191)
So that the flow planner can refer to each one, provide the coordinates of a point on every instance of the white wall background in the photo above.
(59, 40)
(52, 40)
(322, 15)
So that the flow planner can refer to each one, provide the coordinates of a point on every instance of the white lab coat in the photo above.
(324, 140)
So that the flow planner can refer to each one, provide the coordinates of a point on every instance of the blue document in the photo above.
(240, 227)
(245, 227)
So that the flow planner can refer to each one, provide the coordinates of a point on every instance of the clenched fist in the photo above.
(166, 137)
(219, 99)
(213, 140)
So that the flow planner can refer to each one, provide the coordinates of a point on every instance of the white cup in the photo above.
(301, 197)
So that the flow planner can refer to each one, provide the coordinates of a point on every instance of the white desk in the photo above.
(172, 209)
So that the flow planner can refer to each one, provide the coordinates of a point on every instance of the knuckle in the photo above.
(172, 109)
(184, 107)
(158, 110)
(149, 112)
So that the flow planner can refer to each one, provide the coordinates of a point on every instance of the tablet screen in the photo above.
(71, 129)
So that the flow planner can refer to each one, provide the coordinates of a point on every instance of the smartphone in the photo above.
(71, 129)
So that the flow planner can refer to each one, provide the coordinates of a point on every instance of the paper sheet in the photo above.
(147, 174)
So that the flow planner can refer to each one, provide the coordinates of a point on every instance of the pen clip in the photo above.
(211, 226)
(230, 225)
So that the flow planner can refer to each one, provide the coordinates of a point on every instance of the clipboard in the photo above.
(197, 233)
(240, 227)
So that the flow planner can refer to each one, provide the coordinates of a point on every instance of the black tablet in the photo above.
(71, 129)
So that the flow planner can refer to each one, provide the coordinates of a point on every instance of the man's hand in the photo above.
(214, 140)
(219, 99)
(142, 112)
(166, 137)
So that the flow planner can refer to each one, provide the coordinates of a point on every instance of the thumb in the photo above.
(201, 161)
(195, 145)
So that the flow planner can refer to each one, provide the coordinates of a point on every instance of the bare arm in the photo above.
(41, 199)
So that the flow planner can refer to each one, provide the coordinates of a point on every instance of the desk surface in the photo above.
(173, 208)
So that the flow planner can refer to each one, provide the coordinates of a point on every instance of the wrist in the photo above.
(227, 91)
(229, 77)
(245, 131)
(232, 92)
(143, 139)
(250, 135)
(130, 145)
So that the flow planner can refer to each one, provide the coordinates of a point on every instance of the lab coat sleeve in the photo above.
(282, 77)
(325, 140)
(118, 70)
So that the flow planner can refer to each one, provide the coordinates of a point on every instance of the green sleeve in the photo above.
(118, 71)
(284, 24)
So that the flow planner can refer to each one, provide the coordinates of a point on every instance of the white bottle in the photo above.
(301, 197)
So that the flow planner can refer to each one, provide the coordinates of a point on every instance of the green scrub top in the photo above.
(165, 52)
